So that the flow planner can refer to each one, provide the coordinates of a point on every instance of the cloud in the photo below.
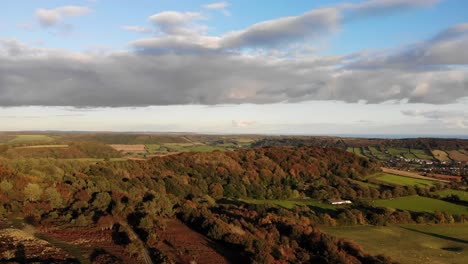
(39, 76)
(442, 50)
(272, 34)
(183, 65)
(217, 5)
(138, 29)
(242, 123)
(381, 7)
(457, 119)
(281, 31)
(53, 17)
(222, 6)
(177, 23)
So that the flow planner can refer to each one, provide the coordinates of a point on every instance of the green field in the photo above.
(397, 151)
(463, 195)
(421, 154)
(355, 150)
(405, 181)
(365, 184)
(31, 138)
(411, 243)
(289, 204)
(44, 146)
(379, 154)
(421, 204)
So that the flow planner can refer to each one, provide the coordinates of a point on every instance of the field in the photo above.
(289, 204)
(441, 155)
(397, 151)
(355, 150)
(410, 174)
(457, 155)
(377, 153)
(411, 243)
(402, 180)
(130, 148)
(463, 195)
(43, 146)
(421, 204)
(31, 138)
(186, 147)
(421, 154)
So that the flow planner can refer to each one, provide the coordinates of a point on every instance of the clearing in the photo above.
(411, 243)
(422, 204)
(405, 181)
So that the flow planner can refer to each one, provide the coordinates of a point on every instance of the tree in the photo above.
(53, 197)
(33, 192)
(102, 200)
(6, 186)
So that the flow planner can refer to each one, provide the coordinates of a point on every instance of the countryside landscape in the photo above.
(181, 198)
(234, 132)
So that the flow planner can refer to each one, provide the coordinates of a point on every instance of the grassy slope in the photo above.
(462, 194)
(411, 243)
(406, 181)
(31, 138)
(289, 204)
(421, 204)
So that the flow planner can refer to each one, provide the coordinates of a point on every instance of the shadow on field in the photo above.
(437, 235)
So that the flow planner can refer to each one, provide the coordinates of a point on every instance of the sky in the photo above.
(375, 67)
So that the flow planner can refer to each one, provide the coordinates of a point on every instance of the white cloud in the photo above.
(138, 29)
(452, 119)
(177, 23)
(217, 5)
(222, 6)
(242, 123)
(53, 17)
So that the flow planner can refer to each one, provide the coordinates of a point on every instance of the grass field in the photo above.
(405, 181)
(377, 153)
(411, 243)
(44, 146)
(365, 184)
(31, 138)
(462, 194)
(440, 155)
(397, 151)
(421, 204)
(421, 154)
(355, 150)
(289, 204)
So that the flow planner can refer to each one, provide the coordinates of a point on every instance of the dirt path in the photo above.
(134, 237)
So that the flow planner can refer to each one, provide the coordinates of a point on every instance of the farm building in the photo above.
(339, 201)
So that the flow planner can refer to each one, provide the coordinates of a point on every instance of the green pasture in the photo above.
(405, 181)
(421, 204)
(411, 243)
